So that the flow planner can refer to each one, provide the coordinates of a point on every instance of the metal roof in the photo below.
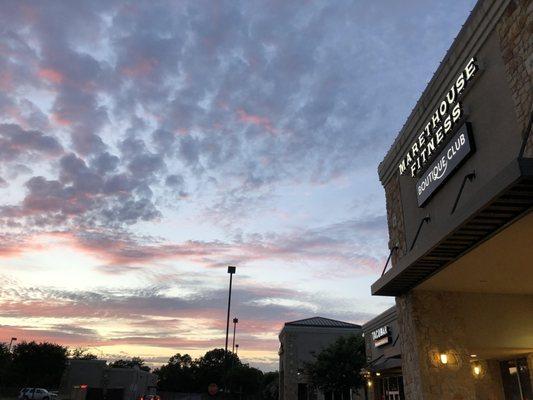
(323, 323)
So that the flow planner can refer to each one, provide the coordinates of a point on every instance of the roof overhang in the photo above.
(507, 197)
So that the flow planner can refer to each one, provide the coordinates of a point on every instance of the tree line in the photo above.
(184, 374)
(335, 369)
(32, 364)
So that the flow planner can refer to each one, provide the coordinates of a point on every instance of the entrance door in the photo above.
(516, 380)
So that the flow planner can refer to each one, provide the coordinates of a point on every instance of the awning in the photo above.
(510, 196)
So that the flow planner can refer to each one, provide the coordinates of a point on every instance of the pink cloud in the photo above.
(252, 119)
(51, 75)
(143, 67)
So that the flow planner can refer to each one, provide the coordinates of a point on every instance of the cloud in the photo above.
(158, 132)
(16, 142)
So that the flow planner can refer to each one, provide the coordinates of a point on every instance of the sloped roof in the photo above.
(323, 323)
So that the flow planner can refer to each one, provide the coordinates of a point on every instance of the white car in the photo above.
(36, 394)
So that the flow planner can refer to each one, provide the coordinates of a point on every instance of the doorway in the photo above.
(516, 379)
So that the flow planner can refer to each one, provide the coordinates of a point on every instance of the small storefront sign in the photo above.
(381, 336)
(458, 149)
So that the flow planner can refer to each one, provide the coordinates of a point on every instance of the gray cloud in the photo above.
(16, 142)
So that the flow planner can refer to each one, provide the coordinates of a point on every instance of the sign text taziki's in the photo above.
(441, 123)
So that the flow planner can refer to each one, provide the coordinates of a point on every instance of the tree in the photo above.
(80, 353)
(5, 361)
(337, 367)
(134, 362)
(37, 364)
(178, 375)
(245, 379)
(270, 386)
(213, 366)
(182, 374)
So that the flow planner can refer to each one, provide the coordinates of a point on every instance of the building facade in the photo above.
(384, 357)
(459, 189)
(94, 380)
(299, 340)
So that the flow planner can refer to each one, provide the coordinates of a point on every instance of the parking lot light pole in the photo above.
(235, 321)
(231, 271)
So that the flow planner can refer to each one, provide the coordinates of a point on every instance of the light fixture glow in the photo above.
(378, 373)
(444, 358)
(477, 370)
(473, 355)
(369, 383)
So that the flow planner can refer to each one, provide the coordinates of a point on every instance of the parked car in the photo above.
(36, 394)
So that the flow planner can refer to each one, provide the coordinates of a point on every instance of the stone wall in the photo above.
(489, 384)
(515, 30)
(430, 324)
(395, 218)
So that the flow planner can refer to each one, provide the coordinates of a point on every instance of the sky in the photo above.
(145, 146)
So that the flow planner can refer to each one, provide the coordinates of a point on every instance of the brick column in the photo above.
(429, 324)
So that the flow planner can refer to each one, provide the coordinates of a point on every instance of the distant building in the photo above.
(299, 340)
(384, 357)
(95, 380)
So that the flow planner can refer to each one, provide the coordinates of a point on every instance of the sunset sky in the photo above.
(144, 146)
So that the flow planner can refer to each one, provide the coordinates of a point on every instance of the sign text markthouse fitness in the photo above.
(442, 121)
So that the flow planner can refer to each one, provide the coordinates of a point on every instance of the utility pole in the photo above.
(235, 321)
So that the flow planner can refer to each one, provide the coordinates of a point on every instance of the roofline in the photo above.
(389, 311)
(352, 326)
(299, 323)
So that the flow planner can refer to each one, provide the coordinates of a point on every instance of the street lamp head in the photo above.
(231, 269)
(235, 320)
(13, 338)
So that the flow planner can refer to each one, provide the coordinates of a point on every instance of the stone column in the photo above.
(516, 44)
(430, 324)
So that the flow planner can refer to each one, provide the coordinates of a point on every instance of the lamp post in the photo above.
(13, 339)
(231, 271)
(235, 321)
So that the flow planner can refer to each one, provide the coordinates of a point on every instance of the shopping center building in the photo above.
(458, 182)
(384, 357)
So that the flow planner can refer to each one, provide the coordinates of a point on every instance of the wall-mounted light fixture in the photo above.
(443, 358)
(378, 373)
(369, 383)
(476, 370)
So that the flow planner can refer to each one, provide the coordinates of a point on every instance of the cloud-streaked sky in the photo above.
(144, 146)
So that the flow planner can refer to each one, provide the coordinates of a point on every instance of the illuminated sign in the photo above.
(442, 122)
(454, 153)
(381, 336)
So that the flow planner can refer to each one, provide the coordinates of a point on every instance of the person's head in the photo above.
(212, 389)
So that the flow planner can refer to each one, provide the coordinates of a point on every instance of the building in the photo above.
(384, 357)
(458, 182)
(95, 380)
(299, 340)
